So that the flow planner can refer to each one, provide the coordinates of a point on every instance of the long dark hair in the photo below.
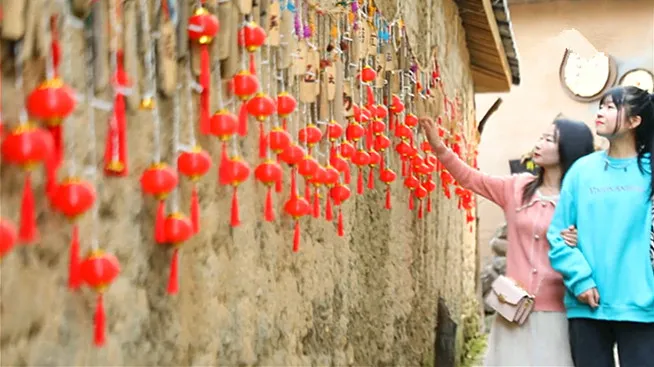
(574, 140)
(636, 102)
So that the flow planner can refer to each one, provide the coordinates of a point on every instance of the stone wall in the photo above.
(368, 298)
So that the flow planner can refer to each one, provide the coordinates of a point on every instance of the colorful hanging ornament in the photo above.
(194, 164)
(224, 125)
(27, 146)
(73, 198)
(243, 85)
(159, 180)
(252, 36)
(310, 135)
(98, 271)
(202, 28)
(387, 176)
(261, 107)
(339, 194)
(235, 172)
(269, 172)
(7, 237)
(52, 102)
(178, 230)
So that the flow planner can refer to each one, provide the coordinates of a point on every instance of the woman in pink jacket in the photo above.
(528, 202)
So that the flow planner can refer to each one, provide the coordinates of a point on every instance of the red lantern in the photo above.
(334, 130)
(194, 164)
(361, 114)
(251, 36)
(115, 152)
(310, 135)
(339, 194)
(420, 193)
(73, 198)
(223, 126)
(395, 108)
(387, 176)
(269, 173)
(347, 149)
(317, 179)
(178, 229)
(278, 139)
(430, 186)
(382, 142)
(202, 28)
(159, 180)
(361, 158)
(354, 132)
(403, 132)
(297, 207)
(286, 104)
(98, 271)
(341, 165)
(27, 146)
(236, 172)
(244, 85)
(261, 107)
(411, 120)
(7, 237)
(378, 127)
(368, 74)
(293, 154)
(52, 101)
(446, 181)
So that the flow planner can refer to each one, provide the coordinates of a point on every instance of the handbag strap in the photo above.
(651, 237)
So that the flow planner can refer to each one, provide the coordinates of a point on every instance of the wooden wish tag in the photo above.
(100, 46)
(273, 24)
(330, 80)
(300, 57)
(244, 6)
(372, 40)
(13, 27)
(225, 19)
(380, 69)
(288, 43)
(390, 57)
(183, 12)
(308, 83)
(131, 51)
(230, 65)
(33, 16)
(166, 60)
(339, 100)
(348, 100)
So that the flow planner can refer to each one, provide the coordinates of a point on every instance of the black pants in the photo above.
(591, 342)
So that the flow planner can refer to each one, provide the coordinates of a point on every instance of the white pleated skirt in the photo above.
(541, 341)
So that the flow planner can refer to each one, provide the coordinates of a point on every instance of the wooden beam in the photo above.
(485, 82)
(492, 22)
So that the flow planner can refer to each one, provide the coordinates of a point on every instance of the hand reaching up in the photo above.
(430, 129)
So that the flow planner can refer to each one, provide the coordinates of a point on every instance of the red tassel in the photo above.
(253, 64)
(205, 82)
(307, 191)
(268, 212)
(262, 141)
(411, 203)
(284, 124)
(420, 214)
(205, 122)
(278, 185)
(369, 137)
(341, 232)
(116, 164)
(173, 279)
(195, 210)
(428, 204)
(74, 277)
(391, 121)
(316, 204)
(243, 119)
(224, 158)
(370, 95)
(121, 122)
(347, 176)
(159, 222)
(50, 177)
(57, 138)
(382, 163)
(388, 197)
(27, 232)
(296, 237)
(360, 182)
(371, 179)
(235, 219)
(55, 47)
(329, 212)
(99, 322)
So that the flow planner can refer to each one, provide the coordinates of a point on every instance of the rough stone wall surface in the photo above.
(368, 298)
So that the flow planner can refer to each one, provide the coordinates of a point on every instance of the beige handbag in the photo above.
(510, 300)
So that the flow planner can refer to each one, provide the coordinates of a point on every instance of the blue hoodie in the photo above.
(607, 199)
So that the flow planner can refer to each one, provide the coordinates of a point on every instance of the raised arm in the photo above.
(494, 188)
(569, 261)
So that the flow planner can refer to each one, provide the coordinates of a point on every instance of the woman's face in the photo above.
(546, 151)
(607, 119)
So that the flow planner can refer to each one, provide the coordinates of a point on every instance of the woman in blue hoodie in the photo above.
(609, 276)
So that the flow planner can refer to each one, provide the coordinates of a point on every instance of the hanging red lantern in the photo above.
(425, 147)
(403, 132)
(361, 158)
(194, 164)
(374, 160)
(7, 237)
(387, 176)
(334, 131)
(52, 101)
(420, 193)
(223, 125)
(446, 181)
(368, 75)
(297, 207)
(178, 230)
(377, 127)
(244, 85)
(27, 146)
(411, 120)
(346, 149)
(339, 194)
(261, 107)
(430, 186)
(330, 179)
(361, 114)
(292, 155)
(202, 28)
(354, 132)
(307, 167)
(269, 172)
(279, 139)
(159, 180)
(115, 151)
(317, 179)
(411, 182)
(310, 135)
(342, 166)
(251, 36)
(382, 142)
(98, 271)
(73, 198)
(236, 172)
(286, 104)
(396, 107)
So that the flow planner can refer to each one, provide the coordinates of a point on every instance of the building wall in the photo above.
(368, 298)
(624, 29)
